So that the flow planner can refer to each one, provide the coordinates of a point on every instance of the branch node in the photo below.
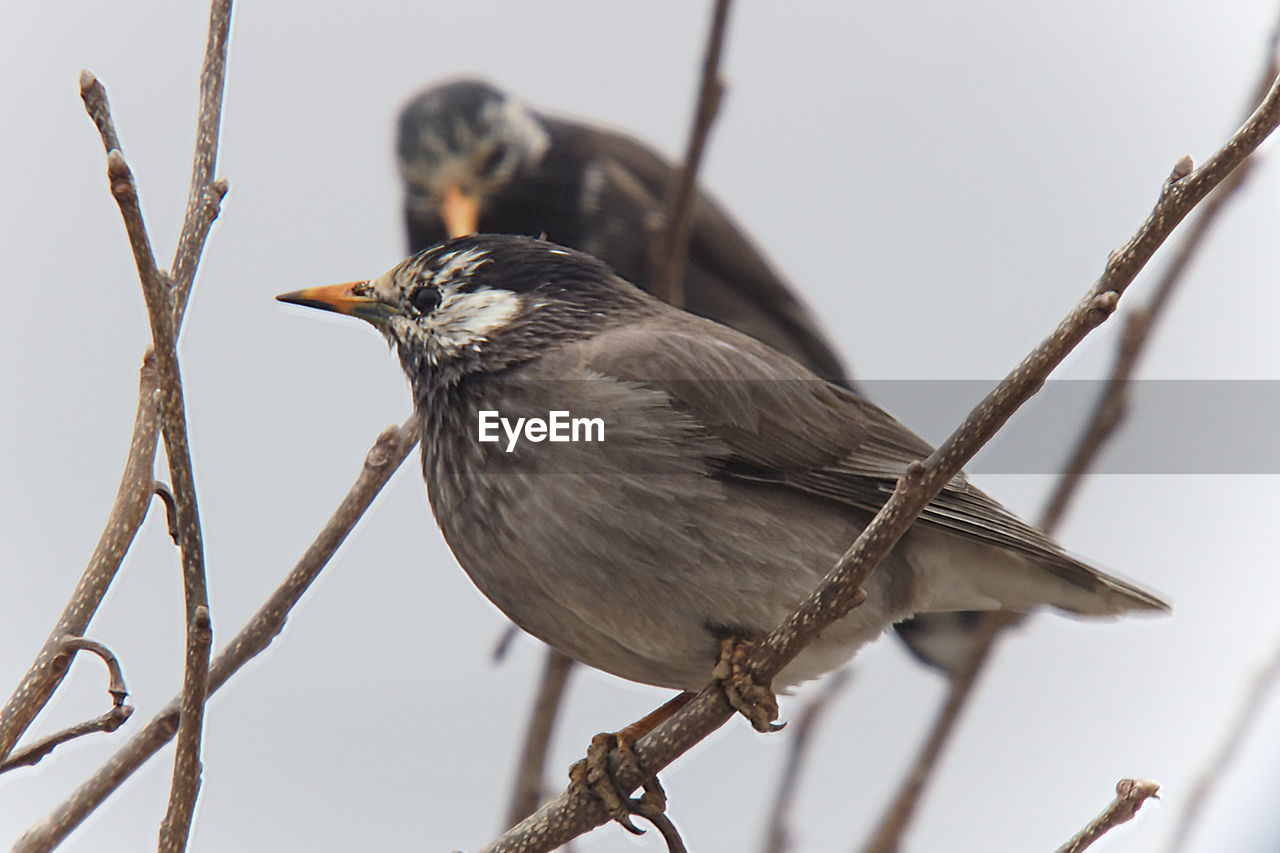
(914, 474)
(1103, 306)
(1184, 167)
(202, 623)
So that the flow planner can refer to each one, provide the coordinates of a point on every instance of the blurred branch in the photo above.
(1107, 416)
(888, 833)
(1264, 683)
(530, 773)
(778, 835)
(672, 249)
(682, 192)
(575, 812)
(1130, 795)
(383, 459)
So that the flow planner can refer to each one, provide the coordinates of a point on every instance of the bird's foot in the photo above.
(748, 696)
(593, 774)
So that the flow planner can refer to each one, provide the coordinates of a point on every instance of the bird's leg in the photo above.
(593, 771)
(749, 697)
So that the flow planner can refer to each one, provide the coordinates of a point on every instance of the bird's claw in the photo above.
(749, 697)
(592, 773)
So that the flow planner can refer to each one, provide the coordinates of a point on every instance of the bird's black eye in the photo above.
(495, 155)
(425, 299)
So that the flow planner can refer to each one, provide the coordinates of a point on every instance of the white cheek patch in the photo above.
(467, 319)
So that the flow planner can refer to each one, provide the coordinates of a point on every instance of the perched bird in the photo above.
(474, 158)
(723, 483)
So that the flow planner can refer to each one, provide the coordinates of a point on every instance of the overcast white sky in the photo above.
(941, 181)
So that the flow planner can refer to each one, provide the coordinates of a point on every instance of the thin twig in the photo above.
(1130, 795)
(1108, 414)
(777, 837)
(134, 494)
(31, 755)
(1264, 684)
(503, 646)
(126, 516)
(527, 791)
(108, 722)
(115, 683)
(170, 509)
(575, 812)
(383, 459)
(173, 425)
(888, 833)
(682, 192)
(205, 195)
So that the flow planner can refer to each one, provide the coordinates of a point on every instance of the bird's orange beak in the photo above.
(460, 212)
(340, 298)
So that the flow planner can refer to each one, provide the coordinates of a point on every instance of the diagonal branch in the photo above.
(1107, 416)
(574, 812)
(383, 459)
(1264, 683)
(126, 516)
(1130, 795)
(777, 837)
(527, 792)
(32, 755)
(682, 192)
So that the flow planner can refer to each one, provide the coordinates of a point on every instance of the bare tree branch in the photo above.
(134, 494)
(1130, 795)
(1264, 683)
(205, 194)
(530, 773)
(115, 683)
(1107, 416)
(127, 513)
(383, 459)
(682, 192)
(31, 755)
(170, 509)
(888, 833)
(173, 425)
(777, 836)
(574, 811)
(108, 722)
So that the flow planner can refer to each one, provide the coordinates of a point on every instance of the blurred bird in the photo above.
(726, 482)
(474, 158)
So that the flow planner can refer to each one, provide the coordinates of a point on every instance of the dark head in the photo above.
(461, 142)
(481, 303)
